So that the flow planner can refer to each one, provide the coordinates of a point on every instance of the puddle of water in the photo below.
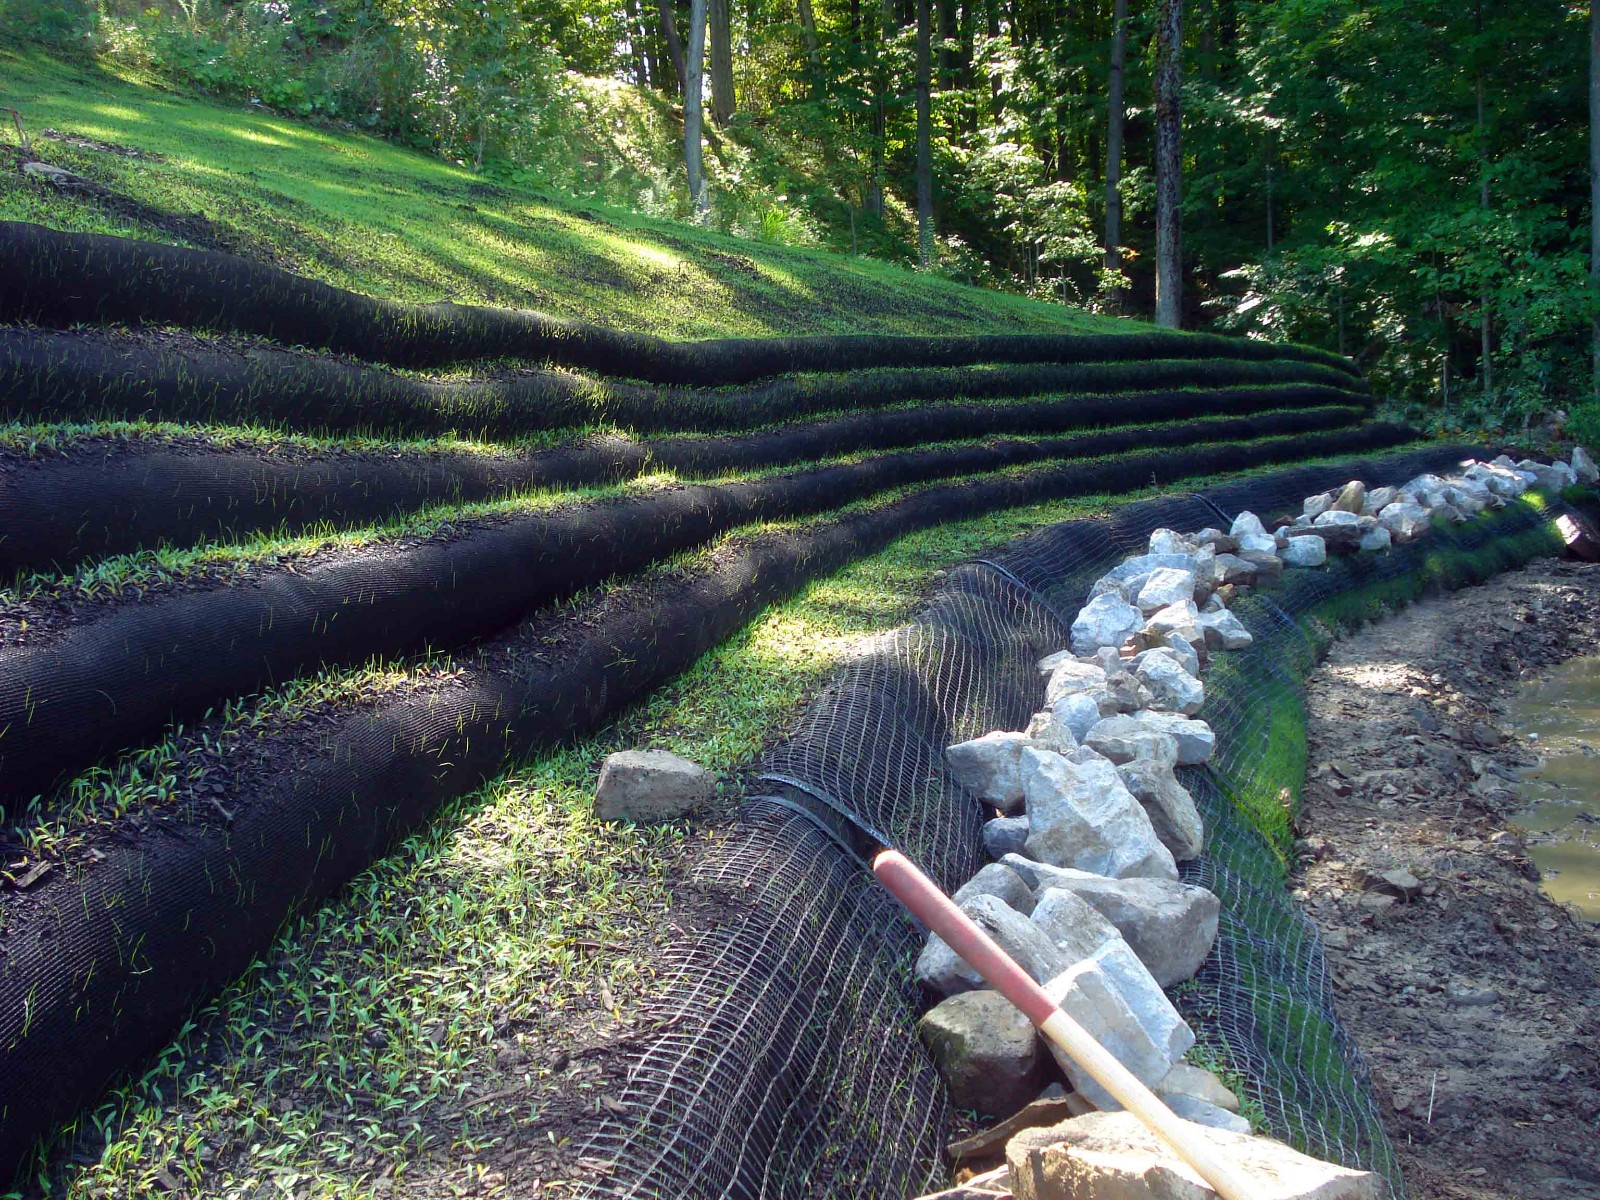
(1563, 793)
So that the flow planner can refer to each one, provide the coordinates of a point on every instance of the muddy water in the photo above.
(1563, 818)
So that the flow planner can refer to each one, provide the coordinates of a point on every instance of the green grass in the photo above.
(367, 215)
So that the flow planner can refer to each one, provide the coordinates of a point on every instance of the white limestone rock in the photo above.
(1186, 1079)
(1114, 1156)
(1120, 1004)
(1169, 925)
(1078, 713)
(1076, 927)
(650, 786)
(1049, 732)
(1124, 739)
(1073, 676)
(1105, 621)
(1583, 466)
(1005, 835)
(1305, 550)
(1081, 815)
(991, 767)
(943, 970)
(1244, 524)
(1000, 881)
(1171, 685)
(1195, 740)
(1181, 619)
(1375, 539)
(1169, 541)
(1168, 585)
(1316, 505)
(1405, 522)
(1259, 543)
(1209, 1115)
(1224, 631)
(1171, 809)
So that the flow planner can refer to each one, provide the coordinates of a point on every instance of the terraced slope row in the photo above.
(550, 582)
(166, 904)
(65, 278)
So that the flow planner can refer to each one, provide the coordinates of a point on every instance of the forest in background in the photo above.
(1405, 181)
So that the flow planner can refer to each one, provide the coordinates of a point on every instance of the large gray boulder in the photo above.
(1583, 466)
(1305, 550)
(1168, 804)
(1048, 732)
(991, 767)
(1169, 925)
(1069, 921)
(1181, 619)
(942, 969)
(1005, 835)
(1124, 738)
(1231, 568)
(1224, 631)
(1195, 740)
(1172, 688)
(1106, 620)
(1114, 1156)
(1073, 677)
(1123, 1008)
(987, 1051)
(1167, 585)
(1001, 882)
(1186, 1079)
(1078, 714)
(1405, 521)
(651, 785)
(1082, 815)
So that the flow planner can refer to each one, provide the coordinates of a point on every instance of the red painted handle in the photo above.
(940, 914)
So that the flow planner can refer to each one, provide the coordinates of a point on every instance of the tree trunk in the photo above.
(1485, 326)
(1169, 165)
(637, 42)
(720, 30)
(669, 31)
(1594, 171)
(808, 34)
(925, 246)
(880, 105)
(1114, 120)
(693, 78)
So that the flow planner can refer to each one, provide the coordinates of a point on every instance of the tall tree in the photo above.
(1169, 164)
(1594, 181)
(1115, 116)
(720, 30)
(694, 76)
(669, 31)
(808, 34)
(925, 244)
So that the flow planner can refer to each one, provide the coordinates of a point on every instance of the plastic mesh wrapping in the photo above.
(794, 1068)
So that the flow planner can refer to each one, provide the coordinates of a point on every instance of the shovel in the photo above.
(936, 910)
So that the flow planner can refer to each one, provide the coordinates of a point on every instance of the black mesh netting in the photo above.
(794, 1067)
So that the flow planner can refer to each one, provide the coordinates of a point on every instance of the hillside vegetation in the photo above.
(367, 215)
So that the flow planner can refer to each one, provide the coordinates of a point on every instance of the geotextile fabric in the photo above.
(84, 375)
(100, 961)
(60, 279)
(111, 675)
(99, 498)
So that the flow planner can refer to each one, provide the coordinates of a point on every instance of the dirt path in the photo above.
(1475, 998)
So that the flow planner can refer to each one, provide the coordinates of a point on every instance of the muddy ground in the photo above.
(1475, 998)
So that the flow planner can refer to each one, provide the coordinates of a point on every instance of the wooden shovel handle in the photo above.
(940, 914)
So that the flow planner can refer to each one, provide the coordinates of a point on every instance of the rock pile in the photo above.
(1091, 820)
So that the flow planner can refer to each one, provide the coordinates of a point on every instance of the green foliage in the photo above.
(1583, 424)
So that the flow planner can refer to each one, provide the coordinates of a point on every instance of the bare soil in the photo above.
(1475, 998)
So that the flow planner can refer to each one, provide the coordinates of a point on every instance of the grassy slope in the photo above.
(367, 215)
